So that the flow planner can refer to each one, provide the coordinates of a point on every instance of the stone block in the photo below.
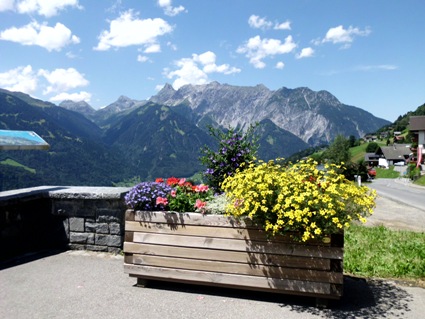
(99, 228)
(108, 240)
(97, 248)
(115, 229)
(76, 224)
(81, 238)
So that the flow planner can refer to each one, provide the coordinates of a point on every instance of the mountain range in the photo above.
(162, 136)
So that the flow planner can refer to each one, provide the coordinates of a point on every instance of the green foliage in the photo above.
(380, 252)
(413, 172)
(234, 149)
(338, 152)
(356, 169)
(128, 182)
(372, 147)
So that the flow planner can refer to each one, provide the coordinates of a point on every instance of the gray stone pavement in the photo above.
(79, 284)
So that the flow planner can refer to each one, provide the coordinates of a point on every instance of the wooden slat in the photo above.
(235, 281)
(238, 268)
(181, 219)
(230, 256)
(208, 231)
(239, 245)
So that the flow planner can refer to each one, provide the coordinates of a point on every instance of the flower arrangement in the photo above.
(175, 194)
(235, 148)
(297, 198)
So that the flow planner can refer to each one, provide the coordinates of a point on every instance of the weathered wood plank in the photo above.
(211, 231)
(238, 268)
(181, 219)
(239, 245)
(230, 256)
(231, 280)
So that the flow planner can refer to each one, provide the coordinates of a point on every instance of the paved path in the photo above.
(395, 209)
(81, 285)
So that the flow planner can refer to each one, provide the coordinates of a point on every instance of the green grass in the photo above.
(386, 173)
(12, 162)
(358, 152)
(383, 253)
(420, 181)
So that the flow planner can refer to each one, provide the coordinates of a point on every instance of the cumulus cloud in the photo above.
(50, 38)
(76, 97)
(20, 79)
(280, 65)
(47, 8)
(257, 49)
(305, 53)
(283, 26)
(62, 80)
(195, 70)
(256, 22)
(169, 10)
(128, 30)
(153, 48)
(339, 35)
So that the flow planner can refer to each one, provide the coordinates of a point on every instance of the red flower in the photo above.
(200, 204)
(172, 181)
(159, 180)
(161, 200)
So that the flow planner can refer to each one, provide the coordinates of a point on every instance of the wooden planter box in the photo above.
(216, 250)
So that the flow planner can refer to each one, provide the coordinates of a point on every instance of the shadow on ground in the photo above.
(363, 298)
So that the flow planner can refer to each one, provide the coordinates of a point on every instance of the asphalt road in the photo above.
(400, 190)
(399, 205)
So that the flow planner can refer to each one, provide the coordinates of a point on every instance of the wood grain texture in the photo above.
(219, 250)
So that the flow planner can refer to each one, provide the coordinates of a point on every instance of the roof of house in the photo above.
(396, 151)
(417, 123)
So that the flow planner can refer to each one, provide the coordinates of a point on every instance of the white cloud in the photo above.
(20, 79)
(386, 67)
(283, 26)
(345, 36)
(169, 10)
(305, 53)
(257, 49)
(195, 70)
(62, 80)
(76, 97)
(256, 22)
(128, 30)
(280, 65)
(153, 48)
(47, 8)
(6, 5)
(50, 38)
(142, 58)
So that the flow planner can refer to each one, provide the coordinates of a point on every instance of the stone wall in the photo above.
(89, 218)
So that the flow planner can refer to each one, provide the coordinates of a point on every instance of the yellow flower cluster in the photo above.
(300, 197)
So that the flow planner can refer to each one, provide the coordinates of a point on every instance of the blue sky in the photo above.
(369, 54)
